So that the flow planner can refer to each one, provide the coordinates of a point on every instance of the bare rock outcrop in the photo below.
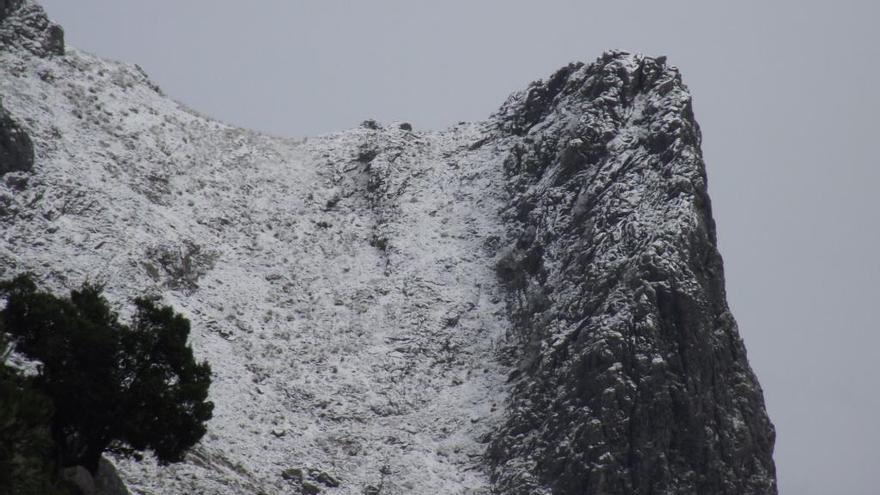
(633, 376)
(23, 23)
(16, 149)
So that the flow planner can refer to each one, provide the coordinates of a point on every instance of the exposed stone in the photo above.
(370, 124)
(16, 180)
(107, 480)
(23, 23)
(81, 478)
(16, 149)
(323, 478)
(634, 380)
(9, 6)
(293, 474)
(310, 488)
(181, 265)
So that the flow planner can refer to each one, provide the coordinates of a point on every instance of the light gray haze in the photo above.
(785, 92)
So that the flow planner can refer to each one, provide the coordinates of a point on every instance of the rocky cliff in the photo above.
(530, 304)
(632, 377)
(24, 25)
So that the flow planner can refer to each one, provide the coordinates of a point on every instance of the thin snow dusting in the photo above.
(342, 287)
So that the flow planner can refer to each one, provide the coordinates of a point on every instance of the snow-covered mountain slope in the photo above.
(341, 288)
(381, 306)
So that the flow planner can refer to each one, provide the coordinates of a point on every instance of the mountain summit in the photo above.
(532, 304)
(633, 376)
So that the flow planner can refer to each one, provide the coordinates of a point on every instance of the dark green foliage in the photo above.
(77, 342)
(134, 387)
(165, 394)
(26, 448)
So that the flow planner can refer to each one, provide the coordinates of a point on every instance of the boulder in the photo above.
(107, 480)
(81, 478)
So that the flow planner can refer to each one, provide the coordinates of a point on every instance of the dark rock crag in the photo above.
(633, 377)
(105, 481)
(24, 24)
(16, 148)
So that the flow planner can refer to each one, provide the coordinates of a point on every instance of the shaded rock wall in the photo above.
(16, 149)
(105, 481)
(633, 376)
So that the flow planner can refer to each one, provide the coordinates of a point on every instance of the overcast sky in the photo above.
(785, 92)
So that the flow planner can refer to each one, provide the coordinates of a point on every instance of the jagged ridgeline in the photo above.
(533, 304)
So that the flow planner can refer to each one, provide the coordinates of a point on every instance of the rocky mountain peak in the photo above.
(23, 23)
(628, 353)
(529, 305)
(579, 89)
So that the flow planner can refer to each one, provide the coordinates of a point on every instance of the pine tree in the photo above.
(133, 387)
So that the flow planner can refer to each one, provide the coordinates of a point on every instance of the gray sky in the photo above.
(785, 93)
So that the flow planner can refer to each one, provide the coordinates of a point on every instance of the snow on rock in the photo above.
(633, 377)
(23, 24)
(532, 304)
(341, 287)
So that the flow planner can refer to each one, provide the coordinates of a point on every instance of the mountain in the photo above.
(529, 304)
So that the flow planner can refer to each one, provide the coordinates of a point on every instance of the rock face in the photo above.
(633, 377)
(24, 24)
(533, 304)
(16, 149)
(105, 481)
